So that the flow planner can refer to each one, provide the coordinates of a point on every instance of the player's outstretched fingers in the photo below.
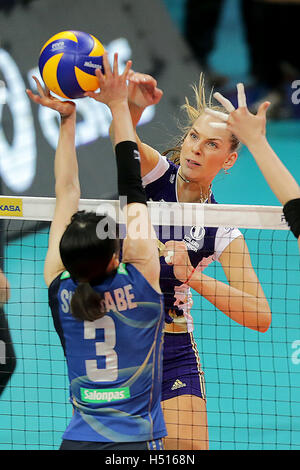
(217, 114)
(224, 101)
(218, 125)
(101, 79)
(40, 89)
(106, 64)
(127, 69)
(262, 110)
(242, 102)
(115, 69)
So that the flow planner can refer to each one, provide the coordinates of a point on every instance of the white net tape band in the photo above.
(162, 213)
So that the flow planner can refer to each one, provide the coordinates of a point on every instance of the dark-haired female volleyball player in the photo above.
(251, 131)
(187, 176)
(7, 352)
(108, 315)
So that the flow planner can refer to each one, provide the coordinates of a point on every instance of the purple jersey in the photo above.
(204, 244)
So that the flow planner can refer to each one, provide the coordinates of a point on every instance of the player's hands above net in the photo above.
(113, 86)
(142, 89)
(44, 98)
(247, 127)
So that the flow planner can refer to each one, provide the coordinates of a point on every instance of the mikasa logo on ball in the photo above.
(90, 64)
(58, 45)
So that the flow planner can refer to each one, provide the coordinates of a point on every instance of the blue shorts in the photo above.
(182, 373)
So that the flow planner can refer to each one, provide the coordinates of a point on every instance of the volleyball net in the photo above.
(252, 379)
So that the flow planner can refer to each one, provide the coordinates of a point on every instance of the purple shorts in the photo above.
(182, 373)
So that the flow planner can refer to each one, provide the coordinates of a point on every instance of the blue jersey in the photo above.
(114, 363)
(204, 244)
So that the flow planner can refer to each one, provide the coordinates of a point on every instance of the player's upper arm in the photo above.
(149, 158)
(140, 244)
(64, 209)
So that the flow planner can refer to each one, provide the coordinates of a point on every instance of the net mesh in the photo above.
(252, 379)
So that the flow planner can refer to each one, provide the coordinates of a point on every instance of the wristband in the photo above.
(129, 172)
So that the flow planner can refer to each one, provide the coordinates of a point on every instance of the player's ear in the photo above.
(230, 161)
(114, 263)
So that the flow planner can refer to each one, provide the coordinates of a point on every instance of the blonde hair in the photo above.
(193, 113)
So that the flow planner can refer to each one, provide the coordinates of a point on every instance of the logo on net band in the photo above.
(11, 206)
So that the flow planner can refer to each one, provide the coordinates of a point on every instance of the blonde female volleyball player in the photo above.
(251, 131)
(109, 316)
(187, 176)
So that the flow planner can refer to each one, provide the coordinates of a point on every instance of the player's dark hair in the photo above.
(291, 211)
(86, 253)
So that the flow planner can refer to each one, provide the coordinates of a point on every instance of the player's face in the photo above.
(205, 151)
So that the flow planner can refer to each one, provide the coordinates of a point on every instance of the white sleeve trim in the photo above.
(159, 170)
(224, 236)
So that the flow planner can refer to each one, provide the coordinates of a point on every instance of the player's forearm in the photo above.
(122, 127)
(247, 310)
(66, 166)
(276, 174)
(135, 113)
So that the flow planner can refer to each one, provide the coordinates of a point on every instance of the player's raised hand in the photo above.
(44, 98)
(142, 89)
(247, 127)
(112, 84)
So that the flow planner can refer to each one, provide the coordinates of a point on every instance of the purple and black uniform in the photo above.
(182, 373)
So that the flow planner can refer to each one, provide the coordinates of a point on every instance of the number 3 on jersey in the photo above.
(104, 348)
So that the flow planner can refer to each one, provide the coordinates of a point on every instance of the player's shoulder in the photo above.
(56, 282)
(160, 171)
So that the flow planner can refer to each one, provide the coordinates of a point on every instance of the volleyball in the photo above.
(68, 61)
